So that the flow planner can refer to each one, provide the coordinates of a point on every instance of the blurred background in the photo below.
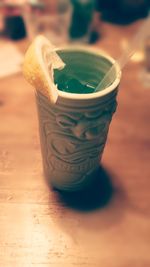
(68, 21)
(36, 228)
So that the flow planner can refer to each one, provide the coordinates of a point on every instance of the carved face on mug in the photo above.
(89, 126)
(74, 137)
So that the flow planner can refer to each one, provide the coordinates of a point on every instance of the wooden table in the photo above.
(107, 226)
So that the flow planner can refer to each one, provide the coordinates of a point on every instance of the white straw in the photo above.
(124, 58)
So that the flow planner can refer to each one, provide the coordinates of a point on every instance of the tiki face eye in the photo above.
(65, 122)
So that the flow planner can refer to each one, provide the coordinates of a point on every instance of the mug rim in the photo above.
(95, 51)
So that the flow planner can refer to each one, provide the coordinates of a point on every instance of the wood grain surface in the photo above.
(107, 225)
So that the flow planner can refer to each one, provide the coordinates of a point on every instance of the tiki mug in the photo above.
(73, 131)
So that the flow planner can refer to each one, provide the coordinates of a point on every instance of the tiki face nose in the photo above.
(90, 129)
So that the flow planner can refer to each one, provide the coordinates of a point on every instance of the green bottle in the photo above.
(82, 15)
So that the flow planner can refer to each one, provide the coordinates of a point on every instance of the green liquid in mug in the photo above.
(70, 84)
(82, 73)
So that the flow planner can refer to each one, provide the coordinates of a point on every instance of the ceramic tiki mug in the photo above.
(73, 131)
